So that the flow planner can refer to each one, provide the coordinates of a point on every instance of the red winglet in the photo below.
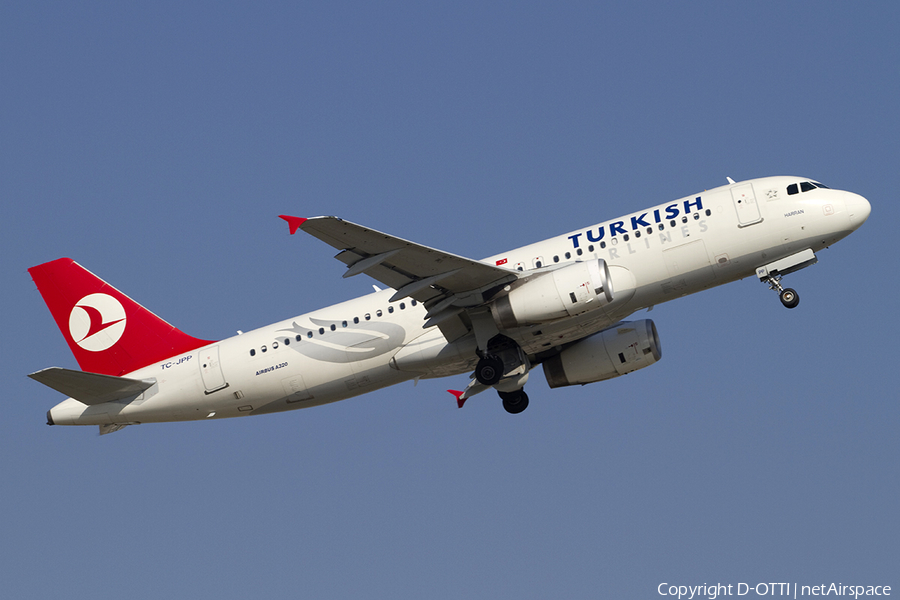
(294, 222)
(459, 399)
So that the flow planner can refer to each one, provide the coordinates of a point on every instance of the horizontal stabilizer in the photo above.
(90, 388)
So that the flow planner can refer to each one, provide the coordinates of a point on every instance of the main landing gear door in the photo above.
(211, 370)
(745, 204)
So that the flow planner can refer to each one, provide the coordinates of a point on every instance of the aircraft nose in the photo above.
(858, 208)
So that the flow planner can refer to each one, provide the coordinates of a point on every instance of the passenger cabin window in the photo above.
(252, 352)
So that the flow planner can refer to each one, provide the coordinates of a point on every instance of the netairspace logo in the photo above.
(793, 590)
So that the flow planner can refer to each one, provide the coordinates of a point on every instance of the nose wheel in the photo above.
(788, 296)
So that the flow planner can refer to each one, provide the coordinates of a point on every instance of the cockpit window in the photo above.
(804, 186)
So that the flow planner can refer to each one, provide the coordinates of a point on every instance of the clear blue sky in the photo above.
(156, 145)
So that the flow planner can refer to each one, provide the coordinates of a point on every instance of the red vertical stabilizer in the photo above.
(108, 332)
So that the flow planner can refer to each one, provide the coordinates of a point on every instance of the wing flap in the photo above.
(90, 388)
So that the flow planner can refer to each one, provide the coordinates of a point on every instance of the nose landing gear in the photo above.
(772, 273)
(788, 296)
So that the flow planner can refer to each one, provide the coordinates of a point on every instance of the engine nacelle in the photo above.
(627, 347)
(565, 292)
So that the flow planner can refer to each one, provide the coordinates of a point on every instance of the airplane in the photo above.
(559, 303)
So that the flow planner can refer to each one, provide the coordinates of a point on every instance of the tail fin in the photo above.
(108, 332)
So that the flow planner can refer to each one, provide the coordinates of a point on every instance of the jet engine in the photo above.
(626, 347)
(564, 292)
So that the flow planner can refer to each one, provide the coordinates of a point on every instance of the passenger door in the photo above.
(745, 204)
(211, 370)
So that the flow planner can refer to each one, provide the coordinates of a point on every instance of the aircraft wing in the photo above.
(435, 278)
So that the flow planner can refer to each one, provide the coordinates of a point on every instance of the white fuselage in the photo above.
(334, 353)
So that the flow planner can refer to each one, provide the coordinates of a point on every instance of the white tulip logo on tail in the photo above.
(97, 322)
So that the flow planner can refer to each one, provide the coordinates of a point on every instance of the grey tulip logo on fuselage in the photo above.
(343, 342)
